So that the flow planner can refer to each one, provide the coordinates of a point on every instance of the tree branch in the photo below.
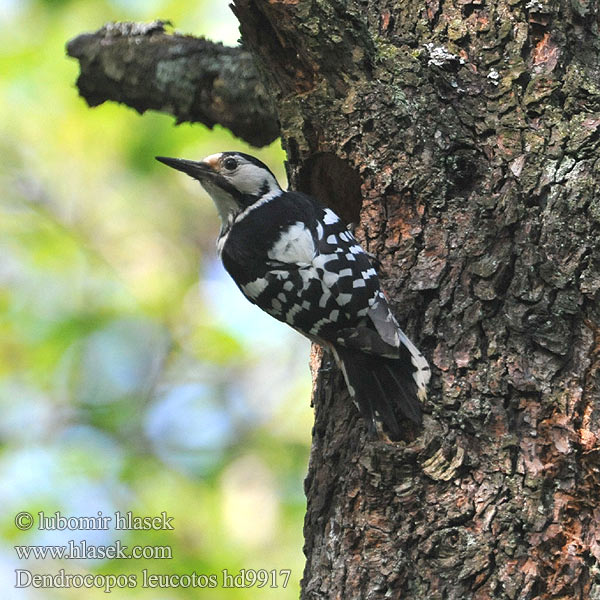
(193, 79)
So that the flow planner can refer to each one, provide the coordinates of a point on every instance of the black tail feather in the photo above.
(383, 388)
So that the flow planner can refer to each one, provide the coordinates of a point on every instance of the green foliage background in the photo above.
(133, 375)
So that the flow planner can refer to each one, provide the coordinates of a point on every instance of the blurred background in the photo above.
(133, 374)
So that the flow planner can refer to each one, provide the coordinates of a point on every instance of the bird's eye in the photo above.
(230, 164)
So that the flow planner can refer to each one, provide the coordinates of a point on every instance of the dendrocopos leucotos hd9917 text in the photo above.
(296, 259)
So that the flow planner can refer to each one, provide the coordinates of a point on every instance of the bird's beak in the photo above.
(197, 170)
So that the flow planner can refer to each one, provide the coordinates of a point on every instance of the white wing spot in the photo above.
(289, 316)
(295, 245)
(330, 279)
(330, 217)
(324, 298)
(317, 326)
(322, 259)
(343, 299)
(255, 288)
(358, 283)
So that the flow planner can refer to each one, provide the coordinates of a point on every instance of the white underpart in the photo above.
(295, 245)
(226, 205)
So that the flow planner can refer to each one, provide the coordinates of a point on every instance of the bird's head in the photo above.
(234, 180)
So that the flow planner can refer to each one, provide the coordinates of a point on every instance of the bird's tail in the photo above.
(382, 387)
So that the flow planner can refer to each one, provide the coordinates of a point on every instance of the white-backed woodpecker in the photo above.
(295, 259)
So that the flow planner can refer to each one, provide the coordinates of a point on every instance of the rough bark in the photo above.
(472, 132)
(144, 67)
(462, 137)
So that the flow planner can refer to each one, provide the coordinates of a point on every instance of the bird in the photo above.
(298, 261)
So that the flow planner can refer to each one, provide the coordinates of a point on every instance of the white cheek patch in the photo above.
(251, 179)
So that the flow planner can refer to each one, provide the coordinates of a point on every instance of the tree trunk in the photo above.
(462, 138)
